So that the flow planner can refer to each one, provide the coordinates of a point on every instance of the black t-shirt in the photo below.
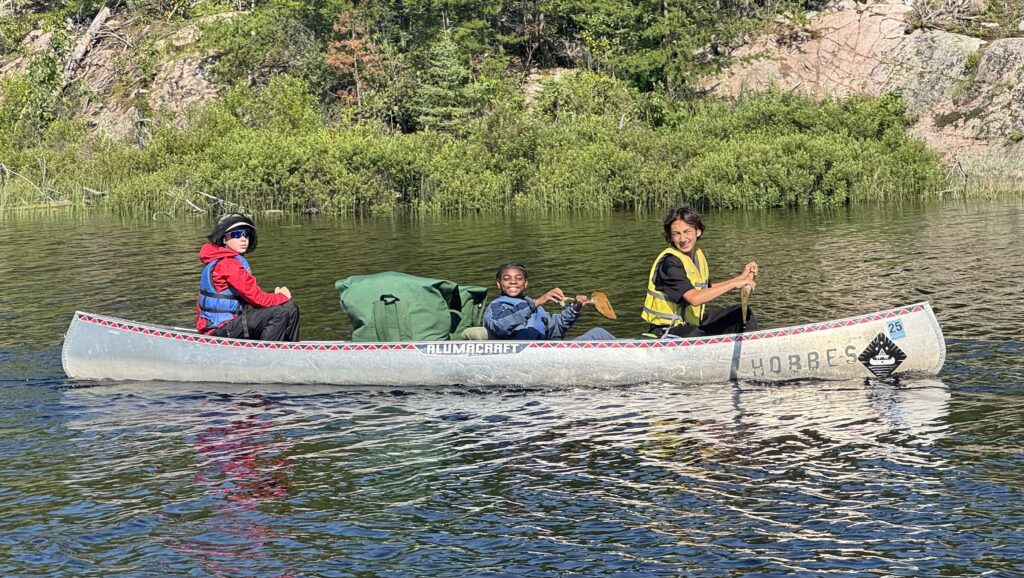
(670, 278)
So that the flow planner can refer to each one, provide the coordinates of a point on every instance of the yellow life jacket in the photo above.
(658, 310)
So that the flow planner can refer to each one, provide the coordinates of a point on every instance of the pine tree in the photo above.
(441, 101)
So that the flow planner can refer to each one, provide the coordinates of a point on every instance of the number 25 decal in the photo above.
(896, 329)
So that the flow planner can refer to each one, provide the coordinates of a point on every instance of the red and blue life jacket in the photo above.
(216, 307)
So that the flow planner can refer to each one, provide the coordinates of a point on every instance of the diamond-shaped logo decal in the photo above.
(882, 356)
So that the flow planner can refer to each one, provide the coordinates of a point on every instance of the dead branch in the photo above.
(110, 33)
(933, 13)
(960, 171)
(194, 206)
(8, 172)
(181, 198)
(84, 43)
(218, 199)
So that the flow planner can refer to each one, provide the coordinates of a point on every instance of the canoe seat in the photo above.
(475, 333)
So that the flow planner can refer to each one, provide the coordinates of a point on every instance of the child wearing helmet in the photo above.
(230, 302)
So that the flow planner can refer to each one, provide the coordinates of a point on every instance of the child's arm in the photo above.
(562, 321)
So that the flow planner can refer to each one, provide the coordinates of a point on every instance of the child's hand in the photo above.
(743, 280)
(554, 295)
(579, 301)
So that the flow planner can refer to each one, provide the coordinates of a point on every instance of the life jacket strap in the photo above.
(216, 310)
(213, 295)
(670, 317)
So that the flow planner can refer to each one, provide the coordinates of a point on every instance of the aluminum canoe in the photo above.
(901, 342)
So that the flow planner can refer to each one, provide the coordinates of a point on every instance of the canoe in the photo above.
(902, 342)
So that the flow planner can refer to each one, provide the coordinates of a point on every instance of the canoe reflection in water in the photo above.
(765, 424)
(271, 480)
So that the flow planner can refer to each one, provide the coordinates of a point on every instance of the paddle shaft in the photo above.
(745, 292)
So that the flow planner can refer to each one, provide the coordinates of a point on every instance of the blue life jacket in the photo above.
(536, 326)
(217, 307)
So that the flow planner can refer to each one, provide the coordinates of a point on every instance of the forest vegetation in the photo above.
(374, 107)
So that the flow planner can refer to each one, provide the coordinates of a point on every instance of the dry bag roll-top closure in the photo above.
(393, 306)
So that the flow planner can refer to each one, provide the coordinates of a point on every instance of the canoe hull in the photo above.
(905, 341)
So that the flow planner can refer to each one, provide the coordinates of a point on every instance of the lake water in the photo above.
(919, 478)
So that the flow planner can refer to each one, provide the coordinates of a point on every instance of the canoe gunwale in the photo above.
(168, 332)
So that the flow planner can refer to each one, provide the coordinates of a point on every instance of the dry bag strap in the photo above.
(391, 319)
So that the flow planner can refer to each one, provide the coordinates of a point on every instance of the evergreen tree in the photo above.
(441, 101)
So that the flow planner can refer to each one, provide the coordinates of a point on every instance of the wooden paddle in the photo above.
(600, 301)
(744, 302)
(603, 306)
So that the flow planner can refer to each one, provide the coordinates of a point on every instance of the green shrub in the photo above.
(253, 47)
(269, 147)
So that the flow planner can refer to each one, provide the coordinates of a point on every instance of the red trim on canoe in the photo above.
(631, 344)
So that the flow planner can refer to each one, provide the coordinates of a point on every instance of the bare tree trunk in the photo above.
(355, 68)
(666, 44)
(84, 43)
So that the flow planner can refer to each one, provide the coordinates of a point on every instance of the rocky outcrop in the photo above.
(36, 41)
(928, 67)
(184, 81)
(180, 84)
(981, 127)
(96, 73)
(970, 110)
(112, 104)
(854, 49)
(993, 104)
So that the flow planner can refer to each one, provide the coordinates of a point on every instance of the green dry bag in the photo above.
(471, 311)
(393, 306)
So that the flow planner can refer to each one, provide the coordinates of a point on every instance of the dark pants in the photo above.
(277, 323)
(718, 321)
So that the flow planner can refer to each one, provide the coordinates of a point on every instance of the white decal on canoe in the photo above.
(471, 348)
(896, 329)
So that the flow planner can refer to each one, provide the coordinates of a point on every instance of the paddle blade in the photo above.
(744, 302)
(603, 306)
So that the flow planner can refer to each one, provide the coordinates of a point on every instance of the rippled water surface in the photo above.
(919, 478)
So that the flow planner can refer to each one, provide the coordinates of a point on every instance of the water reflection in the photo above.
(243, 458)
(241, 461)
(804, 479)
(649, 479)
(786, 422)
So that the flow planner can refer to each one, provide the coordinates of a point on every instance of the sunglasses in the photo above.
(239, 233)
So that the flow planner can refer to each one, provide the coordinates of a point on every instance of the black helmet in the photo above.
(230, 222)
